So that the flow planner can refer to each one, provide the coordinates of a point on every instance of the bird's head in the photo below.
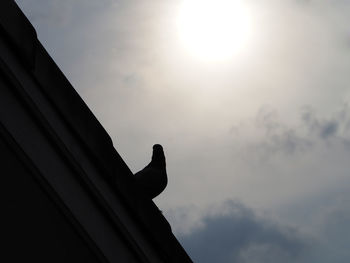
(158, 157)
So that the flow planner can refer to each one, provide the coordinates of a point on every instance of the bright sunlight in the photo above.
(214, 29)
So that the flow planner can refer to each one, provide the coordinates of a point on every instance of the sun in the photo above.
(214, 29)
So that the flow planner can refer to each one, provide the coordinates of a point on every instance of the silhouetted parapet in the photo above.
(67, 194)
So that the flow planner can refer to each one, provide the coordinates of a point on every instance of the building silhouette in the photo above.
(66, 194)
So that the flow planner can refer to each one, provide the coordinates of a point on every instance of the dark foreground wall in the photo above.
(67, 196)
(32, 227)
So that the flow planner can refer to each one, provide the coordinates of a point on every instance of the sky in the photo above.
(257, 139)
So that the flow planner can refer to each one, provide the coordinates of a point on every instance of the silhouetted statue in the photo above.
(153, 179)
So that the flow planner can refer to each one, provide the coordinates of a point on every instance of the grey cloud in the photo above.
(240, 236)
(325, 215)
(275, 136)
(325, 128)
(337, 234)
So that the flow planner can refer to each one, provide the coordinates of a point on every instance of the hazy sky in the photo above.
(257, 142)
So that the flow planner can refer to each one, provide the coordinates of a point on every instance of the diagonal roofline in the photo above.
(21, 37)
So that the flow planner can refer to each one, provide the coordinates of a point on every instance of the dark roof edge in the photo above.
(99, 145)
(74, 110)
(19, 31)
(23, 38)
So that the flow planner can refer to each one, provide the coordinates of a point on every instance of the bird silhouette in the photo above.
(153, 179)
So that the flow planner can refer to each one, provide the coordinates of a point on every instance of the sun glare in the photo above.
(214, 29)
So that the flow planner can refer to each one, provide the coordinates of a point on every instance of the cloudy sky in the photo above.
(251, 106)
